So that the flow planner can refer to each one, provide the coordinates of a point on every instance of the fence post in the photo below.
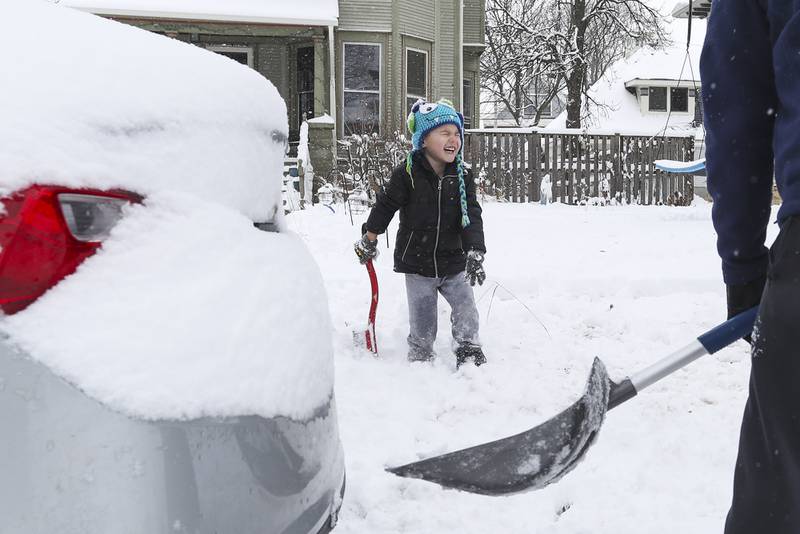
(618, 181)
(513, 166)
(490, 163)
(534, 175)
(499, 168)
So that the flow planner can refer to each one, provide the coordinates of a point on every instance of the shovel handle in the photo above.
(710, 342)
(734, 328)
(373, 283)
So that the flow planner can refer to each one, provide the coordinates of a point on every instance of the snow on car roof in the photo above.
(187, 310)
(96, 103)
(305, 12)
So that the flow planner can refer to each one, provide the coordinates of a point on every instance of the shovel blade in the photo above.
(365, 339)
(526, 461)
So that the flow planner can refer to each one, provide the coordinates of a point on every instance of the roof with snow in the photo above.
(616, 108)
(700, 9)
(296, 12)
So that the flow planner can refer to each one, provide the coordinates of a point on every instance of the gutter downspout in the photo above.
(460, 81)
(332, 90)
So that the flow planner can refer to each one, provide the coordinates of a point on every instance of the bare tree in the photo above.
(570, 43)
(513, 65)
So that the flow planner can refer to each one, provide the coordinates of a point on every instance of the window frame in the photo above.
(648, 92)
(218, 48)
(471, 116)
(533, 105)
(650, 99)
(679, 88)
(345, 90)
(405, 78)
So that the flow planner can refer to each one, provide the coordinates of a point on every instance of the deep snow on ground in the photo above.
(627, 284)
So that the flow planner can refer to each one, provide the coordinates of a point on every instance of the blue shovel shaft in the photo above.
(715, 339)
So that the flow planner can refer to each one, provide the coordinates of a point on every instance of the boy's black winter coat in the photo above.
(430, 241)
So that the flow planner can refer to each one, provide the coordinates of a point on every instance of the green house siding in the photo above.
(365, 15)
(446, 62)
(474, 21)
(415, 18)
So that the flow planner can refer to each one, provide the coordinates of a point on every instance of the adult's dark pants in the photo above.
(766, 492)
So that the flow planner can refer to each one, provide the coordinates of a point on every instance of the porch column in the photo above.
(320, 77)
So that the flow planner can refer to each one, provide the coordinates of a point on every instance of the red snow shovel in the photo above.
(366, 338)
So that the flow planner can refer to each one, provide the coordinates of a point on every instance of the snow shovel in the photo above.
(542, 455)
(366, 338)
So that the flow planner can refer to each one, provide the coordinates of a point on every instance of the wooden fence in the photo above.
(582, 168)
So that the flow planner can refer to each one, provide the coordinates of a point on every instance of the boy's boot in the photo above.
(465, 351)
(416, 355)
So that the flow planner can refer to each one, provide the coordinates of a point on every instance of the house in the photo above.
(700, 9)
(363, 62)
(496, 115)
(649, 92)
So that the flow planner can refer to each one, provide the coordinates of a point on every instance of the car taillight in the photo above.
(45, 234)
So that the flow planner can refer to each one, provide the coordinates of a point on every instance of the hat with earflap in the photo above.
(423, 119)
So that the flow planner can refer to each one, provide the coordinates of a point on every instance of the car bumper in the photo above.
(70, 464)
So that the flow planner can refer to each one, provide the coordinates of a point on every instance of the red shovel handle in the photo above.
(372, 342)
(373, 282)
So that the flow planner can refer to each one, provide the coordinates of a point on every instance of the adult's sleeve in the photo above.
(740, 102)
(472, 235)
(394, 196)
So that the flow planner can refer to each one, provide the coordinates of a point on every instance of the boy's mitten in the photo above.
(365, 249)
(475, 272)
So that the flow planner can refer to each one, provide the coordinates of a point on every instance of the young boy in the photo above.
(439, 245)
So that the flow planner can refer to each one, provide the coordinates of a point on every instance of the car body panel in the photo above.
(71, 463)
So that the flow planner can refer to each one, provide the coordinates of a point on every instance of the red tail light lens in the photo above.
(45, 234)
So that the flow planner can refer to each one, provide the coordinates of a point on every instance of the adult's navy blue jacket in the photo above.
(430, 241)
(750, 70)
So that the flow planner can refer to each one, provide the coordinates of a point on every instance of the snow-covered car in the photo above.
(166, 360)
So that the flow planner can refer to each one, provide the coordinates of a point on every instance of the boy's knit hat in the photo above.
(424, 118)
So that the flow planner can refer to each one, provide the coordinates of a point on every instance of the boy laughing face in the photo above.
(442, 145)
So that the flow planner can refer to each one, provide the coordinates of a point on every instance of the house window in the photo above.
(535, 100)
(362, 83)
(242, 54)
(679, 99)
(305, 84)
(658, 99)
(416, 76)
(469, 103)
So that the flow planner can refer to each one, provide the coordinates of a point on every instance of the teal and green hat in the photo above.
(426, 116)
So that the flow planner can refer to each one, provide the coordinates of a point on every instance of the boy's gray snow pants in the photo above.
(422, 292)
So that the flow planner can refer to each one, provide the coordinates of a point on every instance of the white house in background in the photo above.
(651, 91)
(497, 115)
(700, 9)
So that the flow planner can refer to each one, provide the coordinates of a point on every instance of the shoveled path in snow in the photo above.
(627, 284)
